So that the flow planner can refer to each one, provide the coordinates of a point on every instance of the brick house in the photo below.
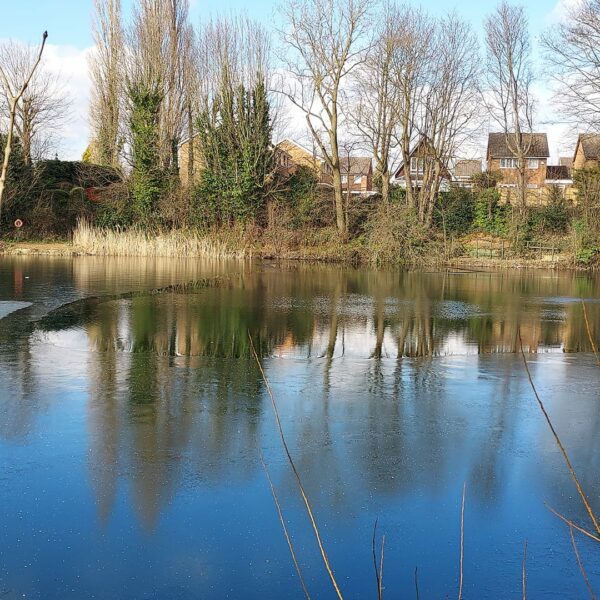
(290, 156)
(587, 151)
(357, 174)
(501, 158)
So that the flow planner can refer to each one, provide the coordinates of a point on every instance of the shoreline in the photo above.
(348, 256)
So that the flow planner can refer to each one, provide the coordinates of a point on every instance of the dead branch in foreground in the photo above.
(558, 441)
(297, 475)
(583, 573)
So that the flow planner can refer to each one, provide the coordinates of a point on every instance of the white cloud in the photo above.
(561, 10)
(70, 66)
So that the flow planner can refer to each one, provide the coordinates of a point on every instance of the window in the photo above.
(532, 186)
(533, 163)
(344, 178)
(417, 165)
(358, 180)
(509, 163)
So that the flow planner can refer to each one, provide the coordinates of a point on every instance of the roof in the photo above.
(536, 145)
(356, 165)
(557, 172)
(290, 145)
(466, 168)
(566, 161)
(590, 143)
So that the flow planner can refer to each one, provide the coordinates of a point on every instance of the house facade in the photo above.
(421, 159)
(357, 175)
(587, 151)
(501, 158)
(290, 156)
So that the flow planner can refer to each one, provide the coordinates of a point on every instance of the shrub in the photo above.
(455, 211)
(490, 216)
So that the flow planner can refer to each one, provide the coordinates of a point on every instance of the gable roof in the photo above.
(498, 147)
(590, 142)
(566, 161)
(356, 165)
(466, 168)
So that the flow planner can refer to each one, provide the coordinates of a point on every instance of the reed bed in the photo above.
(172, 243)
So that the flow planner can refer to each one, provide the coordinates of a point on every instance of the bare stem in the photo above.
(462, 541)
(589, 333)
(285, 529)
(524, 571)
(583, 573)
(582, 495)
(297, 475)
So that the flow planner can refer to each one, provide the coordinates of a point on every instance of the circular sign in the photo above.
(18, 223)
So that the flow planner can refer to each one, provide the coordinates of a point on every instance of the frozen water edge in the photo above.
(10, 306)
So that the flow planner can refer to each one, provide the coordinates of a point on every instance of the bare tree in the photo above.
(376, 97)
(44, 107)
(508, 93)
(14, 96)
(325, 40)
(106, 70)
(572, 53)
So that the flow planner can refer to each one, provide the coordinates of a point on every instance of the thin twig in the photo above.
(587, 581)
(462, 541)
(524, 571)
(285, 529)
(582, 495)
(572, 524)
(589, 333)
(297, 475)
(380, 590)
(417, 581)
(375, 567)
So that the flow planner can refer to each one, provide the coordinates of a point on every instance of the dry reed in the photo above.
(174, 243)
(292, 464)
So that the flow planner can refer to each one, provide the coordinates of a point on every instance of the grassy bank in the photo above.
(309, 244)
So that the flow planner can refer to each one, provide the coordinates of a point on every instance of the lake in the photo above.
(132, 426)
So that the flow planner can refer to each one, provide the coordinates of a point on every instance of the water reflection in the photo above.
(394, 389)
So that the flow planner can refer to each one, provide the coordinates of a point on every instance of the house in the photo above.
(587, 151)
(421, 158)
(357, 174)
(464, 171)
(290, 156)
(183, 158)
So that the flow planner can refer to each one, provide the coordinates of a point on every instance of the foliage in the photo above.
(235, 140)
(490, 216)
(553, 217)
(586, 244)
(147, 178)
(587, 185)
(486, 180)
(394, 236)
(455, 211)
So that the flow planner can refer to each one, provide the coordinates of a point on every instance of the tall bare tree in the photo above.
(572, 53)
(508, 94)
(107, 72)
(14, 96)
(376, 97)
(44, 106)
(325, 42)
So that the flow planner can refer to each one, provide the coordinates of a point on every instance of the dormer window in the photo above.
(417, 165)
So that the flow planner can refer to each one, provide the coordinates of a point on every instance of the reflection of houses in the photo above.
(464, 171)
(291, 156)
(357, 174)
(421, 162)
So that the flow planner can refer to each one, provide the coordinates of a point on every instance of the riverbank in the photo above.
(470, 252)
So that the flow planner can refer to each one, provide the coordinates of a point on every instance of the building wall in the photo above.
(533, 177)
(580, 161)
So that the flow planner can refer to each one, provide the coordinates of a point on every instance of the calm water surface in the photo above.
(131, 427)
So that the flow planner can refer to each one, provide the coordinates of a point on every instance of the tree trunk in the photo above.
(385, 186)
(338, 196)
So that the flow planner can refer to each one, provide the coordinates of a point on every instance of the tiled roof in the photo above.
(466, 168)
(536, 145)
(356, 165)
(591, 145)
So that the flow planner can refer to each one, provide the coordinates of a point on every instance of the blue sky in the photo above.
(68, 23)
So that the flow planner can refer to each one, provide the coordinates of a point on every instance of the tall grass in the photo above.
(173, 243)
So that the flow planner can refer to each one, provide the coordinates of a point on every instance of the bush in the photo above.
(554, 217)
(490, 216)
(394, 236)
(455, 211)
